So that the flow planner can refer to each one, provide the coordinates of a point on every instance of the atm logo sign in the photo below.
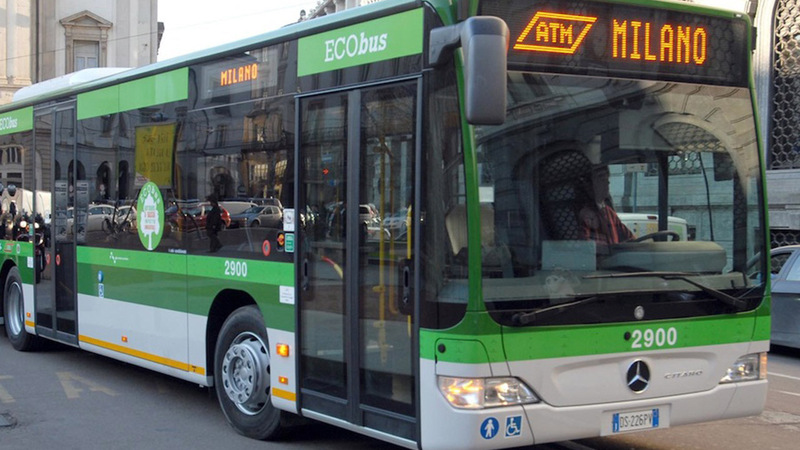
(554, 33)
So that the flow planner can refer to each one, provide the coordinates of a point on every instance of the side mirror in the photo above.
(485, 44)
(484, 41)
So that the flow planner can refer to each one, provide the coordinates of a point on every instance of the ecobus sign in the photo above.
(16, 121)
(368, 42)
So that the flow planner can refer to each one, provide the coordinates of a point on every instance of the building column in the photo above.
(5, 37)
(16, 50)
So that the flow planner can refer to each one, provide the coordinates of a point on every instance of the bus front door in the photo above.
(357, 337)
(55, 293)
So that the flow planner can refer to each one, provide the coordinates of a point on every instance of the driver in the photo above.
(597, 218)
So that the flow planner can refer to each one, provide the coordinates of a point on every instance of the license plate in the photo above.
(635, 420)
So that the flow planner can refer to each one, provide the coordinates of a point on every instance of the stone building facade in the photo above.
(44, 39)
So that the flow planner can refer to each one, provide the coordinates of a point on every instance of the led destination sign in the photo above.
(240, 74)
(623, 40)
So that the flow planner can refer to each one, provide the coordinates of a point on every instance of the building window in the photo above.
(86, 36)
(13, 155)
(87, 54)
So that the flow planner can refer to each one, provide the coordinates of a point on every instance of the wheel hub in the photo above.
(245, 376)
(15, 309)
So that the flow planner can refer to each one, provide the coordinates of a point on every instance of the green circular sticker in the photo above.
(150, 212)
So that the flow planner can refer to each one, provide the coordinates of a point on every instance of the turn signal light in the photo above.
(283, 350)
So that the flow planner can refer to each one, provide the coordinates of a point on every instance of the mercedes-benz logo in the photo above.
(638, 376)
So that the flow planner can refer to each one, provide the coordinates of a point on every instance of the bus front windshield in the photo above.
(608, 200)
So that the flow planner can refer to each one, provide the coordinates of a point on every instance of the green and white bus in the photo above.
(437, 272)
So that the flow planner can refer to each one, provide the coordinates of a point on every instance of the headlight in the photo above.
(478, 393)
(747, 368)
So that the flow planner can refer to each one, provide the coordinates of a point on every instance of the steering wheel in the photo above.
(662, 233)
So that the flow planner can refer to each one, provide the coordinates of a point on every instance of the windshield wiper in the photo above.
(525, 318)
(728, 299)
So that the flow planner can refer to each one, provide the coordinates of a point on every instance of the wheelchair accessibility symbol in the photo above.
(513, 426)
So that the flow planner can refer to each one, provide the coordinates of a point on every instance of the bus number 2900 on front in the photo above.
(650, 338)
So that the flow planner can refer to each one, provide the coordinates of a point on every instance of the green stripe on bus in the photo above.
(155, 90)
(213, 267)
(21, 254)
(156, 289)
(238, 269)
(527, 343)
(128, 259)
(16, 248)
(98, 103)
(368, 42)
(763, 325)
(16, 121)
(184, 283)
(162, 88)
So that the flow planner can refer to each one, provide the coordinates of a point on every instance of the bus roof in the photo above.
(66, 81)
(78, 82)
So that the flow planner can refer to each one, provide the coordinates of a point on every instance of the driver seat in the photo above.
(561, 176)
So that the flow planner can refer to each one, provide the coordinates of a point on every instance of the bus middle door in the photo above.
(57, 171)
(357, 151)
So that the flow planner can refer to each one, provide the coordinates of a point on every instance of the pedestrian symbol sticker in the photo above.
(489, 428)
(513, 426)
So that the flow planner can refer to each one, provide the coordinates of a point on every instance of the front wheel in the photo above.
(14, 313)
(242, 375)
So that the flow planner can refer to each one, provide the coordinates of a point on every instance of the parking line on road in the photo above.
(70, 382)
(783, 376)
(5, 397)
(788, 393)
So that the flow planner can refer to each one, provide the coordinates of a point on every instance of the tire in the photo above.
(241, 375)
(14, 313)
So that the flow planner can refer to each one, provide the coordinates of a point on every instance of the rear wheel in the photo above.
(14, 313)
(242, 375)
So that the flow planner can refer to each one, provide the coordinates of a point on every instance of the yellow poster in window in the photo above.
(155, 154)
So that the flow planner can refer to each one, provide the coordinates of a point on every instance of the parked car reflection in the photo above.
(97, 215)
(397, 223)
(191, 218)
(259, 216)
(123, 221)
